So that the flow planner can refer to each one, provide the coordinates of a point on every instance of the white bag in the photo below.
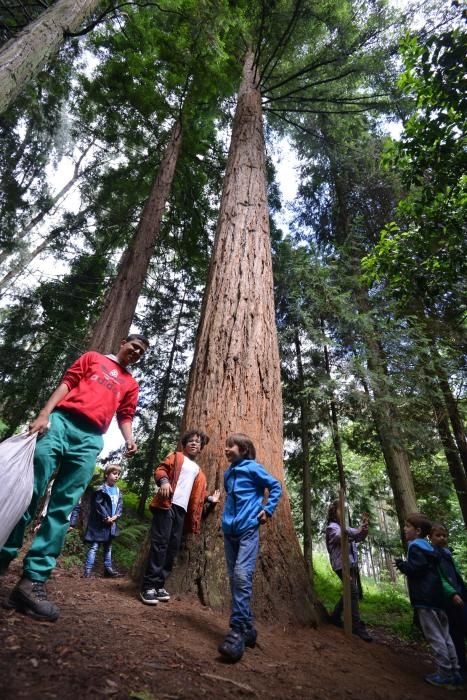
(16, 480)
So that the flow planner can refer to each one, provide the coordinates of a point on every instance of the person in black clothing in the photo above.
(455, 590)
(427, 597)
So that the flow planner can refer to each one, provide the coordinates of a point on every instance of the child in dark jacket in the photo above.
(244, 481)
(106, 509)
(426, 596)
(455, 591)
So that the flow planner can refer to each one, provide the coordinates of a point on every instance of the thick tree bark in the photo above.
(306, 476)
(120, 302)
(23, 57)
(235, 379)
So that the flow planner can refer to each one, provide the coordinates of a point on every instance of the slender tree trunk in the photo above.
(456, 469)
(453, 412)
(235, 381)
(22, 57)
(25, 260)
(386, 424)
(77, 173)
(306, 476)
(120, 302)
(154, 446)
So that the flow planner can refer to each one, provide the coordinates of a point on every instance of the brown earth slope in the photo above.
(107, 643)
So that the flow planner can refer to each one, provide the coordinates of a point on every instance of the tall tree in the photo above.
(23, 56)
(235, 378)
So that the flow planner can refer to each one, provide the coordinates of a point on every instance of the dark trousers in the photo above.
(166, 535)
(458, 630)
(356, 622)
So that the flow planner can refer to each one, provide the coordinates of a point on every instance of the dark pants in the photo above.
(166, 535)
(356, 622)
(458, 630)
(241, 552)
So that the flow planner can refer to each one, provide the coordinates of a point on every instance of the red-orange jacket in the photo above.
(170, 469)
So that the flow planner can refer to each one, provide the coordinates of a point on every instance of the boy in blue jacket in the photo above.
(106, 509)
(244, 481)
(427, 597)
(455, 591)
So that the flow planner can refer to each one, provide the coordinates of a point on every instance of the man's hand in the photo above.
(131, 448)
(165, 490)
(39, 425)
(215, 498)
(457, 600)
(262, 517)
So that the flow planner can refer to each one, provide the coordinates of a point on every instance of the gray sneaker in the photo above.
(30, 598)
(162, 594)
(149, 596)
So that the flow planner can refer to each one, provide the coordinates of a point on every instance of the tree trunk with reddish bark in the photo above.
(120, 303)
(235, 383)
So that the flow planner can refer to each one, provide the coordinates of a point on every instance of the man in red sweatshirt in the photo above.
(70, 428)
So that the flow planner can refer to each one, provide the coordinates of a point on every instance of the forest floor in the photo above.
(106, 643)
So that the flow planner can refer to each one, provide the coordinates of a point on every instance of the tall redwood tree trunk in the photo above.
(22, 58)
(235, 379)
(120, 303)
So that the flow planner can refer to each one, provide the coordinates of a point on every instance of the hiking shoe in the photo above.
(111, 573)
(87, 573)
(441, 680)
(162, 594)
(250, 635)
(362, 632)
(30, 597)
(149, 596)
(233, 646)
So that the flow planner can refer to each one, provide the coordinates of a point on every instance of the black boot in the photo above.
(233, 646)
(250, 635)
(30, 597)
(111, 573)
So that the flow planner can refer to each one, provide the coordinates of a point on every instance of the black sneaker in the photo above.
(149, 596)
(162, 594)
(250, 635)
(30, 597)
(111, 573)
(233, 646)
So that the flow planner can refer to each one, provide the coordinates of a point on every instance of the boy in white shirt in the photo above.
(176, 507)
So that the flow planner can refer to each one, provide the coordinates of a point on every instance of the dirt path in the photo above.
(106, 643)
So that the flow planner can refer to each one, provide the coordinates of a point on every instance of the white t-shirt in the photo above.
(188, 474)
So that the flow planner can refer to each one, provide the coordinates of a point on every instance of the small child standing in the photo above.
(244, 481)
(106, 509)
(334, 547)
(426, 596)
(455, 591)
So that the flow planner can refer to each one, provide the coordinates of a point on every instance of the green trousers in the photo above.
(72, 446)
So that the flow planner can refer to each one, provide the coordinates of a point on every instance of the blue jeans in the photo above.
(91, 555)
(241, 552)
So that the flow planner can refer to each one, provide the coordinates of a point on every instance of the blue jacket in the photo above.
(451, 573)
(423, 578)
(101, 508)
(244, 483)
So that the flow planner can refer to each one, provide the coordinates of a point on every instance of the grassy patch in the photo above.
(384, 605)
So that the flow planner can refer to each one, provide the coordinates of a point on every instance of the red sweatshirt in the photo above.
(99, 388)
